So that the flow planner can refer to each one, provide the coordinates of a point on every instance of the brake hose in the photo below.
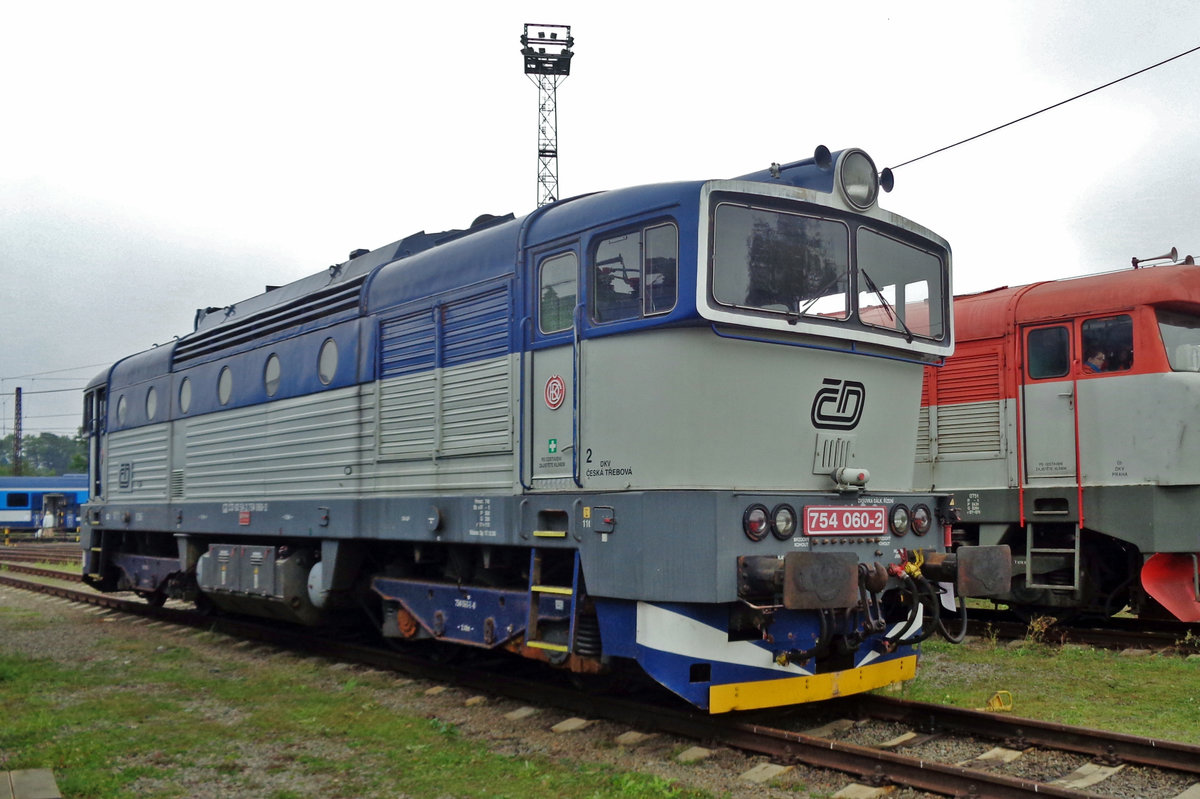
(962, 632)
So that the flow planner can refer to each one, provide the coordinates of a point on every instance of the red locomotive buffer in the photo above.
(1067, 424)
(1171, 579)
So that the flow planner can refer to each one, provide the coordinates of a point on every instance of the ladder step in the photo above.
(548, 646)
(551, 589)
(549, 533)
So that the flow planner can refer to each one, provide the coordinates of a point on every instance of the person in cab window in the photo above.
(1095, 363)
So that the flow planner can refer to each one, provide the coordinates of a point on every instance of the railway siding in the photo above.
(935, 757)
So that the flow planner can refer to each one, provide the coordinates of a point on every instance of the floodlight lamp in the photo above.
(534, 50)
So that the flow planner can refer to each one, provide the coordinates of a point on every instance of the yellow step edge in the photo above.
(544, 645)
(550, 589)
(549, 533)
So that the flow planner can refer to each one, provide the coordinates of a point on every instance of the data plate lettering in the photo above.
(841, 520)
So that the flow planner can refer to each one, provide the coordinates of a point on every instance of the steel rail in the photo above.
(862, 763)
(8, 556)
(53, 574)
(1113, 747)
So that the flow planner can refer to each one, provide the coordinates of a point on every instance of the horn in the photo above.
(1173, 255)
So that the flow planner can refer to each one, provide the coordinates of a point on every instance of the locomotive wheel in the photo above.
(154, 599)
(444, 653)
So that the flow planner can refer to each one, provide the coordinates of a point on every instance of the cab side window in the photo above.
(1107, 344)
(634, 274)
(1048, 352)
(558, 287)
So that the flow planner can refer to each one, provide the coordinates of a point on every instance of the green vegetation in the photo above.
(175, 716)
(1152, 695)
(45, 455)
(138, 718)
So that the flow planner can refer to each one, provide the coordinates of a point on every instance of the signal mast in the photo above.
(547, 53)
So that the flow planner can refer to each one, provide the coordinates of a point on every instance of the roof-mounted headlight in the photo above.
(857, 179)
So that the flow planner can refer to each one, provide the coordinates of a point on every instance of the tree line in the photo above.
(45, 455)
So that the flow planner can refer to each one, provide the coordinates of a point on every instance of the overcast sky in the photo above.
(159, 157)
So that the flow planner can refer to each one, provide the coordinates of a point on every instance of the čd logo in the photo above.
(839, 405)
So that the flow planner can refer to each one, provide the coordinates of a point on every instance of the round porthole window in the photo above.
(327, 362)
(225, 386)
(185, 395)
(122, 409)
(272, 374)
(151, 403)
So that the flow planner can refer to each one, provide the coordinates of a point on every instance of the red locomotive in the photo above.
(1067, 424)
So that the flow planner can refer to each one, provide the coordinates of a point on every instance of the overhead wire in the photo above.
(1047, 108)
(57, 371)
(77, 389)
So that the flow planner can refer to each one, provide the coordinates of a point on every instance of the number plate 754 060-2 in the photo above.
(841, 520)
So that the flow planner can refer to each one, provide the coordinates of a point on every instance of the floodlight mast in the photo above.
(547, 53)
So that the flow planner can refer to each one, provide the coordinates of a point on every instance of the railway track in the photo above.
(1112, 633)
(903, 736)
(36, 571)
(42, 553)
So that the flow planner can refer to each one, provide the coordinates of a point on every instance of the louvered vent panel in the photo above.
(319, 305)
(476, 402)
(923, 434)
(476, 329)
(970, 378)
(973, 428)
(446, 380)
(408, 417)
(407, 345)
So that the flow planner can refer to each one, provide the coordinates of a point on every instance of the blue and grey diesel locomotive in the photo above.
(670, 426)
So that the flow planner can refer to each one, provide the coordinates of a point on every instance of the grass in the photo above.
(173, 716)
(146, 720)
(1150, 695)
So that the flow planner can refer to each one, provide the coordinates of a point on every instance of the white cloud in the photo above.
(162, 157)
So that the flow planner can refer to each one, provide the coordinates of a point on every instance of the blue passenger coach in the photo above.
(669, 426)
(32, 503)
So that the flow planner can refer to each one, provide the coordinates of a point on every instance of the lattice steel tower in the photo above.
(547, 54)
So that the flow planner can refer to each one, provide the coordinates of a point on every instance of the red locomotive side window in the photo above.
(1107, 344)
(1048, 352)
(1181, 337)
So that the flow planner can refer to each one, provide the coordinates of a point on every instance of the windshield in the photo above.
(781, 262)
(1181, 337)
(901, 286)
(786, 263)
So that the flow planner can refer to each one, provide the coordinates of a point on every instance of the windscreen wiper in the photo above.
(887, 306)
